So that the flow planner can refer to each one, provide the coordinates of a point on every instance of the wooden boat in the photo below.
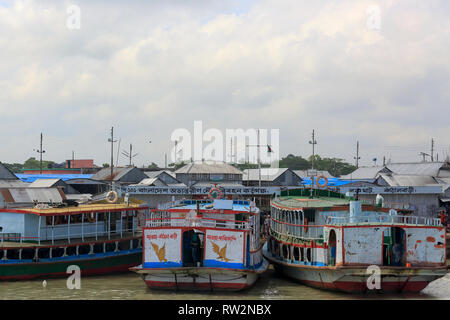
(332, 242)
(227, 255)
(44, 241)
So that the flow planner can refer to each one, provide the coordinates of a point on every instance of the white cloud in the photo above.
(149, 68)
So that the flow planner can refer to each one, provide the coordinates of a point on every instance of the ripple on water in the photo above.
(129, 286)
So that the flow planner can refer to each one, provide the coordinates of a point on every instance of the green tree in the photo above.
(153, 166)
(105, 165)
(32, 163)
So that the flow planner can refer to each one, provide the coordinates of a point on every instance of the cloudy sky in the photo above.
(373, 71)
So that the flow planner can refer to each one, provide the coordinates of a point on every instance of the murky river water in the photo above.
(130, 286)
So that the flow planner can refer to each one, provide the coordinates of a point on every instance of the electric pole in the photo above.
(432, 150)
(313, 142)
(112, 152)
(40, 151)
(357, 154)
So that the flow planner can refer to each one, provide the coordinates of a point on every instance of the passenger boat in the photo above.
(202, 245)
(44, 241)
(336, 243)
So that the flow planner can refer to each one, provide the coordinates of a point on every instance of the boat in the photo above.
(202, 245)
(45, 240)
(334, 242)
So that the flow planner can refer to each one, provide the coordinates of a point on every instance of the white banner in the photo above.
(162, 246)
(224, 247)
(200, 190)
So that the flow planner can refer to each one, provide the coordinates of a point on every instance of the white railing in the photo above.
(197, 222)
(300, 231)
(410, 220)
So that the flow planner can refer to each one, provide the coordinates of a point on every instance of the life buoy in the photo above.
(114, 197)
(216, 191)
(91, 217)
(321, 185)
(305, 227)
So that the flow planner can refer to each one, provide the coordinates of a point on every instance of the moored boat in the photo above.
(202, 245)
(332, 242)
(44, 241)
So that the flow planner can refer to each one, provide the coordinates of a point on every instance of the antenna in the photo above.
(130, 154)
(432, 150)
(423, 154)
(313, 142)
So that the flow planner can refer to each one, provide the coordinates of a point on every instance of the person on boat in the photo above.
(195, 245)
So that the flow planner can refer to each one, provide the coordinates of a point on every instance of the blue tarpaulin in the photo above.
(32, 177)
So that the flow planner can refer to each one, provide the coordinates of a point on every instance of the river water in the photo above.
(129, 286)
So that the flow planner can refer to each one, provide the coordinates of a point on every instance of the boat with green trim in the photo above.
(44, 241)
(334, 242)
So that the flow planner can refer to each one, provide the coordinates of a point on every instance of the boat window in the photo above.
(124, 245)
(308, 254)
(135, 243)
(285, 249)
(110, 247)
(302, 254)
(98, 248)
(27, 253)
(12, 254)
(84, 249)
(310, 215)
(71, 251)
(296, 253)
(56, 253)
(44, 253)
(1, 254)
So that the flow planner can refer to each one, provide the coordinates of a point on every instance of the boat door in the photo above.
(332, 248)
(193, 243)
(394, 247)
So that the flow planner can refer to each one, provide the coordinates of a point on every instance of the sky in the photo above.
(377, 72)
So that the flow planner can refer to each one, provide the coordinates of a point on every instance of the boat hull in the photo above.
(201, 278)
(354, 279)
(93, 265)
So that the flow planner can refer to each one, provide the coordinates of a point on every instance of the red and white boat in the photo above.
(332, 242)
(202, 245)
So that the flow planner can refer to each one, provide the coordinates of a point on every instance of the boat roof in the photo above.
(302, 202)
(76, 210)
(238, 206)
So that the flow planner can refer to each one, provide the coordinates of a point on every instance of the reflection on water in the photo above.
(130, 286)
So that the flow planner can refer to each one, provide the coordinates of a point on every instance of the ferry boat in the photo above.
(202, 245)
(44, 241)
(333, 242)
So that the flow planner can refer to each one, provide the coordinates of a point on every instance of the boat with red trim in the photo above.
(202, 245)
(335, 242)
(43, 241)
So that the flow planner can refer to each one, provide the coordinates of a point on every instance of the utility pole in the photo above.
(357, 154)
(259, 162)
(112, 152)
(313, 142)
(432, 150)
(40, 151)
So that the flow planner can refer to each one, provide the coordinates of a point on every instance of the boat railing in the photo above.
(300, 231)
(397, 219)
(197, 222)
(15, 237)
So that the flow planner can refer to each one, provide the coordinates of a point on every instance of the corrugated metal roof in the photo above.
(209, 167)
(304, 173)
(12, 183)
(5, 173)
(151, 181)
(407, 180)
(118, 173)
(155, 174)
(435, 169)
(43, 183)
(29, 195)
(267, 174)
(365, 173)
